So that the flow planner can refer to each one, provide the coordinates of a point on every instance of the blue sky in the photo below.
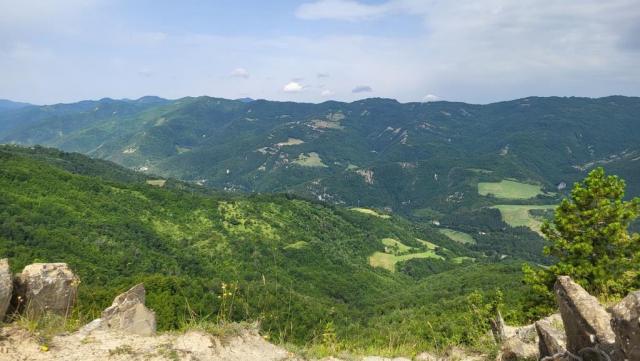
(315, 50)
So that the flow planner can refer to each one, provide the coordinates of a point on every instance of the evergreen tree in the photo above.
(590, 239)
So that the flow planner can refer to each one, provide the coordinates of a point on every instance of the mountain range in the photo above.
(373, 152)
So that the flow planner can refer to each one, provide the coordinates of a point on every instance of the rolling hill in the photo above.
(294, 265)
(373, 152)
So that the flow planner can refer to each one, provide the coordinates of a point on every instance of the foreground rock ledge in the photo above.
(46, 287)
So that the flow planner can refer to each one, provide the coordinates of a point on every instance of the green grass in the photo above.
(391, 242)
(519, 215)
(310, 160)
(371, 212)
(428, 244)
(388, 261)
(508, 189)
(297, 245)
(458, 236)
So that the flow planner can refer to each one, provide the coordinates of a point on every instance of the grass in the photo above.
(391, 242)
(157, 182)
(371, 212)
(508, 189)
(519, 215)
(459, 260)
(458, 236)
(297, 245)
(290, 141)
(310, 160)
(388, 261)
(428, 244)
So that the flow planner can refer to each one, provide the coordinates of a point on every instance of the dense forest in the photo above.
(301, 268)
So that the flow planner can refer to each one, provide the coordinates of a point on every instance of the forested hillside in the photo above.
(301, 268)
(373, 152)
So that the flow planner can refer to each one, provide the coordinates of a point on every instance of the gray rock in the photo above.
(551, 339)
(46, 287)
(129, 314)
(514, 349)
(626, 325)
(6, 287)
(586, 322)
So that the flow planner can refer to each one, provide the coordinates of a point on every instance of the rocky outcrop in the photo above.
(6, 287)
(46, 287)
(587, 324)
(129, 314)
(626, 325)
(551, 338)
(514, 349)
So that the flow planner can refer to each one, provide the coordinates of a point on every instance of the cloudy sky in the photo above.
(315, 50)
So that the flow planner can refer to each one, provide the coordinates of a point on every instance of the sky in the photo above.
(316, 50)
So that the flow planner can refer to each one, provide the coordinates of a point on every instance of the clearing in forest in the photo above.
(509, 189)
(458, 236)
(310, 160)
(388, 261)
(520, 215)
(371, 212)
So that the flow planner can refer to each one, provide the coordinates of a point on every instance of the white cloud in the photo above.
(431, 98)
(292, 87)
(349, 10)
(326, 93)
(240, 73)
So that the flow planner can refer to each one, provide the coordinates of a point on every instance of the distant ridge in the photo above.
(10, 105)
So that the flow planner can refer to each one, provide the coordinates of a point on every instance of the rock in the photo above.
(586, 322)
(626, 325)
(46, 287)
(6, 287)
(425, 356)
(378, 358)
(551, 338)
(129, 314)
(514, 349)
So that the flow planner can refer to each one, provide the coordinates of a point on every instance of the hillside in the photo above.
(298, 266)
(373, 152)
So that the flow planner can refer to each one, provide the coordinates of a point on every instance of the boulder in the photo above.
(46, 287)
(626, 325)
(6, 287)
(586, 322)
(129, 314)
(551, 338)
(515, 349)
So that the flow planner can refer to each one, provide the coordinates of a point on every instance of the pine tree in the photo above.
(589, 237)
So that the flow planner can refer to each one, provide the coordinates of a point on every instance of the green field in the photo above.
(388, 261)
(519, 215)
(311, 160)
(458, 236)
(371, 212)
(428, 244)
(394, 243)
(509, 189)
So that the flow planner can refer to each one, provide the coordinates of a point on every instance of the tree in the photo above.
(590, 239)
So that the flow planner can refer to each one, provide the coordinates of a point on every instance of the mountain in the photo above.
(8, 105)
(299, 267)
(413, 159)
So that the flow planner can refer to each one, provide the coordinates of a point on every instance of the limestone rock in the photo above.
(46, 287)
(626, 325)
(6, 287)
(551, 338)
(514, 349)
(587, 324)
(129, 314)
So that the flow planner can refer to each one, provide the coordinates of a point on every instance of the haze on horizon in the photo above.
(315, 50)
